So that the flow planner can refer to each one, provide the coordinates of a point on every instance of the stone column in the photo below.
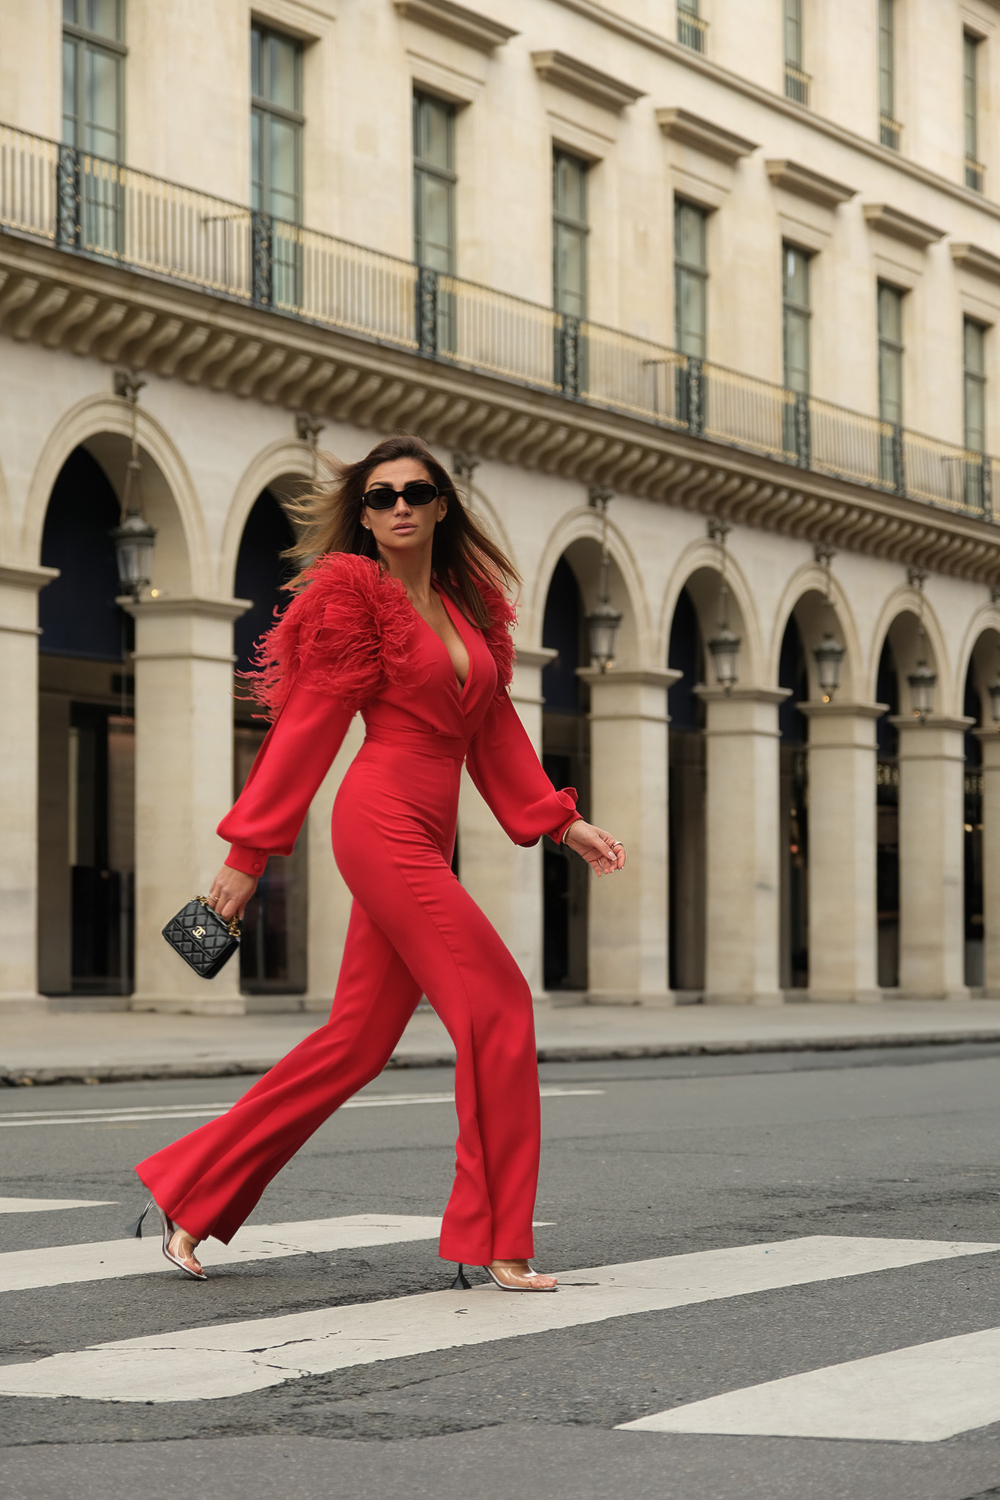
(931, 858)
(502, 878)
(843, 917)
(183, 786)
(990, 741)
(629, 915)
(19, 786)
(743, 908)
(329, 898)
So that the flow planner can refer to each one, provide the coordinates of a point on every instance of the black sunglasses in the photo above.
(384, 497)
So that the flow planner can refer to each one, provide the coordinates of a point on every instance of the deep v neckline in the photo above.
(454, 616)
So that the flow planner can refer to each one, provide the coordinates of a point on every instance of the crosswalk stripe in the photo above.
(105, 1260)
(922, 1394)
(21, 1118)
(42, 1205)
(230, 1359)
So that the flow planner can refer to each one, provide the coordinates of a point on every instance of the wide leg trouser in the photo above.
(430, 937)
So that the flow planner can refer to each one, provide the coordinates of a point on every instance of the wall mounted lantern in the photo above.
(134, 538)
(307, 430)
(724, 646)
(603, 620)
(994, 692)
(829, 654)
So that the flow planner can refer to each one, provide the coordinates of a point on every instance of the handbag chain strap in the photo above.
(233, 924)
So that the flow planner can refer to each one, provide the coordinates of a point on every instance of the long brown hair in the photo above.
(464, 559)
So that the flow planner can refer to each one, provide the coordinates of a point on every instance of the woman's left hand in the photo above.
(602, 851)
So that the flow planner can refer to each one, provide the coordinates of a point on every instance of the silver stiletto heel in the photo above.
(169, 1230)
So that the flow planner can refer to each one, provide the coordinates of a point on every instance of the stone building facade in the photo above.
(711, 283)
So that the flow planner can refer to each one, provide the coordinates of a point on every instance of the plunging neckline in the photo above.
(454, 616)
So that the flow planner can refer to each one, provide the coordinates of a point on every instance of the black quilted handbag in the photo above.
(202, 938)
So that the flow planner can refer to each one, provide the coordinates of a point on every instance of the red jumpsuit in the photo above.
(351, 639)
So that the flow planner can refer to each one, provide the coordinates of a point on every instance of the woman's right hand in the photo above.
(231, 890)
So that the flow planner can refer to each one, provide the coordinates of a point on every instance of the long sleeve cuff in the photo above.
(249, 861)
(558, 834)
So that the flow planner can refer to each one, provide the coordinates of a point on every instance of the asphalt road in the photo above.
(659, 1159)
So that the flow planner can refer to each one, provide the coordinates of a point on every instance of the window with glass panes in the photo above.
(974, 379)
(434, 184)
(276, 122)
(890, 369)
(569, 234)
(888, 128)
(690, 278)
(93, 111)
(795, 318)
(796, 82)
(970, 97)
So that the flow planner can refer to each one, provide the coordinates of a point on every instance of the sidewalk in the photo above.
(77, 1046)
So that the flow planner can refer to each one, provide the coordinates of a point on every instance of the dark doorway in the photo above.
(687, 804)
(887, 822)
(86, 746)
(566, 758)
(794, 812)
(275, 933)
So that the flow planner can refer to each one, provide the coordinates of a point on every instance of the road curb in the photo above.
(236, 1068)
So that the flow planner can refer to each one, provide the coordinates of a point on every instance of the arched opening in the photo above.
(274, 940)
(86, 841)
(887, 820)
(566, 758)
(686, 803)
(793, 674)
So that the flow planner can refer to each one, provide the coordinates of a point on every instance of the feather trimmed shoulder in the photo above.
(347, 632)
(503, 618)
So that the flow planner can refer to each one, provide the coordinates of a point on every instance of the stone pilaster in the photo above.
(629, 914)
(931, 858)
(183, 786)
(843, 918)
(19, 893)
(742, 917)
(990, 741)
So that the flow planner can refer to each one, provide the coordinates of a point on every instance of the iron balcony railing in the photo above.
(108, 212)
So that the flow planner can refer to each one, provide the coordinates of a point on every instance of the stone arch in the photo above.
(697, 570)
(804, 597)
(982, 628)
(102, 425)
(578, 535)
(899, 619)
(286, 460)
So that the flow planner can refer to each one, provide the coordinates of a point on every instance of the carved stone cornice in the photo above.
(704, 135)
(803, 182)
(977, 260)
(456, 21)
(589, 83)
(899, 226)
(117, 315)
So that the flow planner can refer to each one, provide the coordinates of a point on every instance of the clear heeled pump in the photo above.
(169, 1229)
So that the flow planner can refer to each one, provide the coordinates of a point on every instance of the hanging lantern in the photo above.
(922, 682)
(603, 620)
(133, 538)
(725, 650)
(829, 658)
(994, 692)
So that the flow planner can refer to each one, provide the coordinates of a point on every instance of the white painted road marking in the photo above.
(140, 1113)
(106, 1260)
(42, 1205)
(199, 1364)
(918, 1395)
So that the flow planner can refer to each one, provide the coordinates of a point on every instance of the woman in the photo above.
(404, 616)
